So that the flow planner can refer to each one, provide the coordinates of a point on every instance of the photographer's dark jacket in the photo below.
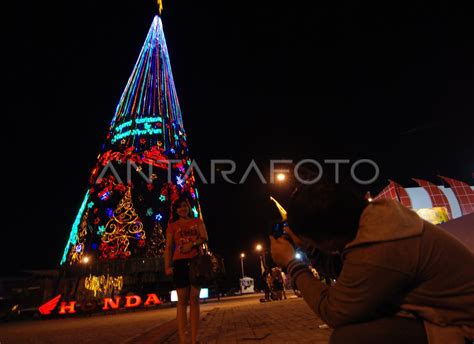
(400, 265)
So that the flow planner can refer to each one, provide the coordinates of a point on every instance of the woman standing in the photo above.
(183, 237)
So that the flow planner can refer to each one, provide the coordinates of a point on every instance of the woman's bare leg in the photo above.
(194, 312)
(183, 298)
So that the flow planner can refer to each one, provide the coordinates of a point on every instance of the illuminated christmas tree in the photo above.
(142, 169)
(157, 241)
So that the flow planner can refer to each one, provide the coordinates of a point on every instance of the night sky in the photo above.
(387, 81)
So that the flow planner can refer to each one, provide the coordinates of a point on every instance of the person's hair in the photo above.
(325, 209)
(176, 205)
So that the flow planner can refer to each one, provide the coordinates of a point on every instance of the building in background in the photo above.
(435, 203)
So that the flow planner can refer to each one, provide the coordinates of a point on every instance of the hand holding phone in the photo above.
(279, 230)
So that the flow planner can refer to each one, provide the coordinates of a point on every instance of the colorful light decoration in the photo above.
(73, 235)
(71, 307)
(123, 225)
(104, 195)
(146, 129)
(160, 6)
(110, 212)
(149, 97)
(100, 230)
(78, 250)
(103, 284)
(157, 241)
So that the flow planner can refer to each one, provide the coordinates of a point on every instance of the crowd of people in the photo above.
(275, 283)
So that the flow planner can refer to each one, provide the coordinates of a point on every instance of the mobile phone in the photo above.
(279, 229)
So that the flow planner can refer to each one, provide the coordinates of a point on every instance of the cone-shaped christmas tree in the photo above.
(131, 188)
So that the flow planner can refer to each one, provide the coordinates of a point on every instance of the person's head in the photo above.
(181, 209)
(325, 215)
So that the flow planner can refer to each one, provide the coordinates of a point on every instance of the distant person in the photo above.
(284, 281)
(402, 279)
(220, 276)
(277, 284)
(266, 281)
(184, 236)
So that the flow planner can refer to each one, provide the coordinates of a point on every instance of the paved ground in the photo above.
(103, 329)
(287, 321)
(239, 319)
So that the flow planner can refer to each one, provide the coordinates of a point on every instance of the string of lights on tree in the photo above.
(103, 284)
(124, 215)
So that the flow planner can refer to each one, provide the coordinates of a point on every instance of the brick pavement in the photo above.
(286, 321)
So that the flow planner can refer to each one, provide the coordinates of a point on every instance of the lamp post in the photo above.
(260, 250)
(242, 256)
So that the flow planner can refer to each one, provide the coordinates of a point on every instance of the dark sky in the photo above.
(388, 81)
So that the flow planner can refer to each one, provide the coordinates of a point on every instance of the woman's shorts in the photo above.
(181, 273)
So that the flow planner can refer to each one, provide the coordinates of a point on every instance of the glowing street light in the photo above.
(298, 255)
(280, 177)
(85, 260)
(242, 256)
(262, 252)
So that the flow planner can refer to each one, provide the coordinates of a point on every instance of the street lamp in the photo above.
(281, 177)
(260, 249)
(242, 256)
